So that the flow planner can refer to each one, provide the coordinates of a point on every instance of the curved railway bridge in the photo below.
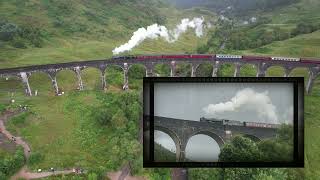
(181, 131)
(149, 62)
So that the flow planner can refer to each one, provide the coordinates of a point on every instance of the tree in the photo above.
(240, 149)
(102, 115)
(280, 148)
(273, 150)
(8, 31)
(119, 120)
(202, 49)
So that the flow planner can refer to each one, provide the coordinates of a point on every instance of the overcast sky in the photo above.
(251, 102)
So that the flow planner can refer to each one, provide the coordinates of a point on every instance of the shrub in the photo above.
(35, 158)
(32, 34)
(58, 22)
(102, 116)
(136, 72)
(21, 119)
(18, 42)
(2, 107)
(92, 176)
(8, 31)
(10, 164)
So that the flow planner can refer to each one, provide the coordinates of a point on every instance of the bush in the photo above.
(136, 72)
(2, 108)
(10, 164)
(21, 119)
(58, 22)
(18, 42)
(8, 31)
(32, 34)
(35, 158)
(102, 116)
(202, 49)
(92, 176)
(304, 28)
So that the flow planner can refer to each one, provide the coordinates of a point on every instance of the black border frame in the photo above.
(148, 121)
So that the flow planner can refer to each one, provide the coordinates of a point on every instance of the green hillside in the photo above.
(161, 154)
(51, 31)
(307, 45)
(282, 23)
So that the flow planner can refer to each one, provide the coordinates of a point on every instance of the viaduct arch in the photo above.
(23, 73)
(182, 130)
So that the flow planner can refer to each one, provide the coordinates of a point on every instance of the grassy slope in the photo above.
(108, 30)
(307, 45)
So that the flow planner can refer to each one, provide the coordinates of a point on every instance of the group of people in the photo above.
(23, 107)
(51, 170)
(78, 170)
(13, 138)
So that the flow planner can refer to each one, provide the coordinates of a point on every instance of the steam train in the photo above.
(210, 56)
(225, 122)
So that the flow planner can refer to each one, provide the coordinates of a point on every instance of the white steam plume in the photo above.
(196, 23)
(154, 31)
(288, 115)
(247, 99)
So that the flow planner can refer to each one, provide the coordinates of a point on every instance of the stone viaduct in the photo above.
(51, 70)
(182, 130)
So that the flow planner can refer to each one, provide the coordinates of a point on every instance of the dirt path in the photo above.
(117, 176)
(124, 174)
(23, 172)
(18, 140)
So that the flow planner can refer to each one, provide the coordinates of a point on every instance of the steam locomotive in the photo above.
(238, 123)
(208, 56)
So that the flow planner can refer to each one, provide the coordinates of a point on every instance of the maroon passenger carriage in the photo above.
(220, 57)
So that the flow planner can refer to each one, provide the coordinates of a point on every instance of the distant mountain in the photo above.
(236, 6)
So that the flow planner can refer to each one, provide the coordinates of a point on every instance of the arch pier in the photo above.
(77, 70)
(25, 80)
(237, 69)
(172, 69)
(149, 70)
(313, 73)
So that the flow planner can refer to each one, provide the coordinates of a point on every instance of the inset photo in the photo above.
(223, 122)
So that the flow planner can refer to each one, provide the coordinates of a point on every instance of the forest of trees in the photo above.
(244, 149)
(269, 150)
(239, 6)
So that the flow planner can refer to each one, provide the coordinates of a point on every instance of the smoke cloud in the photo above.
(288, 115)
(247, 99)
(155, 31)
